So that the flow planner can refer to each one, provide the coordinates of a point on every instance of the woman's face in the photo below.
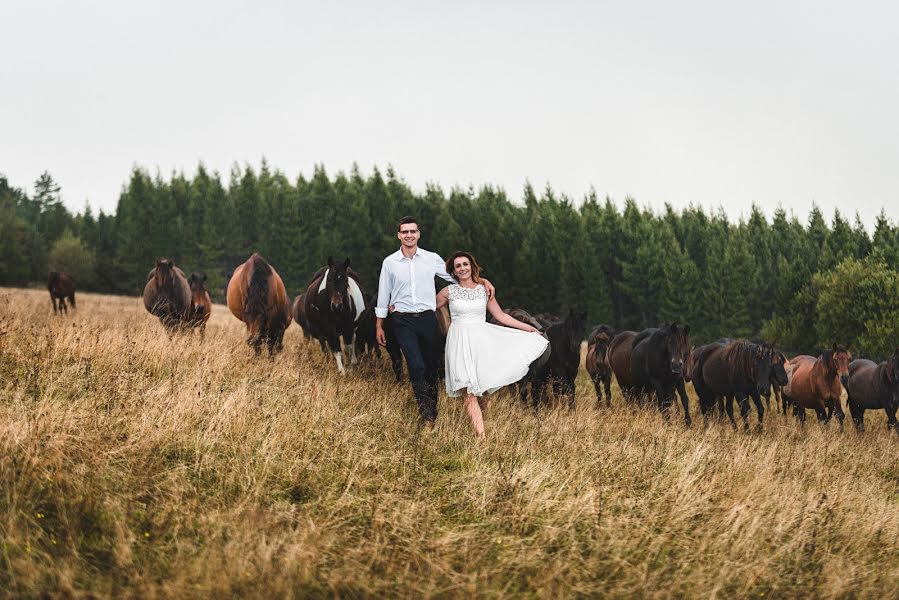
(462, 268)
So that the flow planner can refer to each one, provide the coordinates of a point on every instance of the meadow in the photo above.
(136, 466)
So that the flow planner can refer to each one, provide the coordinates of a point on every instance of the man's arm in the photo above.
(382, 304)
(440, 269)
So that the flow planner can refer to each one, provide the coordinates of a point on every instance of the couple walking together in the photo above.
(480, 357)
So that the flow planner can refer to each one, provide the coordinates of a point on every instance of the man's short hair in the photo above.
(405, 221)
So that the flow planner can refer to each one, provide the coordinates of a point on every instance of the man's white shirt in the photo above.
(408, 283)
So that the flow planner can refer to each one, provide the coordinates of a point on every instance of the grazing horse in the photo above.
(561, 366)
(740, 369)
(653, 361)
(332, 304)
(61, 286)
(871, 387)
(200, 303)
(817, 383)
(167, 295)
(256, 296)
(597, 362)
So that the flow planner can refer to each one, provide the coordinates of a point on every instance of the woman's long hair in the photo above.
(475, 269)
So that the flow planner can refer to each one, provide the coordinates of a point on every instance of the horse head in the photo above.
(778, 373)
(575, 328)
(893, 367)
(164, 274)
(197, 283)
(840, 357)
(336, 285)
(678, 345)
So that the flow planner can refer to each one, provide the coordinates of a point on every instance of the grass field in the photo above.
(132, 466)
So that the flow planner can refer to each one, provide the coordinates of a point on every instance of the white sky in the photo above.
(709, 102)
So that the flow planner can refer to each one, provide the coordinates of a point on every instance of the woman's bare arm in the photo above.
(442, 297)
(504, 319)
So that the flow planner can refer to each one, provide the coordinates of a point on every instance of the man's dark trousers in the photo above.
(419, 339)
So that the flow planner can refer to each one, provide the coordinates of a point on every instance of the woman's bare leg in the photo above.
(484, 403)
(474, 414)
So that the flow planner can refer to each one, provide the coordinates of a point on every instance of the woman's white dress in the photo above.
(480, 356)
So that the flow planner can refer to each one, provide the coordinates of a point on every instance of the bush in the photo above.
(69, 254)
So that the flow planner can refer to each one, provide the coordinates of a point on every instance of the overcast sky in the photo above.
(711, 103)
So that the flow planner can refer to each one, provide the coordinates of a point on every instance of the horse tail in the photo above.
(257, 291)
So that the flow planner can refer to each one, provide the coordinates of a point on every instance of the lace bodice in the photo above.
(468, 305)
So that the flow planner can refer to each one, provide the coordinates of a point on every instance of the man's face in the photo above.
(409, 234)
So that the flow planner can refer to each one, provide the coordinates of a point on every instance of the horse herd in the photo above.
(652, 365)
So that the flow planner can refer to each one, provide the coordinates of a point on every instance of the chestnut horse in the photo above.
(653, 361)
(167, 295)
(871, 387)
(61, 286)
(200, 303)
(256, 296)
(817, 383)
(598, 362)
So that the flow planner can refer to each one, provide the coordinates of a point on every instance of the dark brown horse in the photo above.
(597, 362)
(367, 343)
(167, 295)
(61, 286)
(872, 387)
(817, 383)
(200, 303)
(332, 304)
(538, 365)
(739, 369)
(652, 362)
(560, 368)
(256, 296)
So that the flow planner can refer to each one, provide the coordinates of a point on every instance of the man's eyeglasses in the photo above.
(408, 231)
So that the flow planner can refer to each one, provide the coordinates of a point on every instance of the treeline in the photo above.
(627, 266)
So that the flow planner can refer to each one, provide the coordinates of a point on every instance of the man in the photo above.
(406, 286)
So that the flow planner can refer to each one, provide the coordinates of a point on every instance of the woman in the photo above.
(481, 357)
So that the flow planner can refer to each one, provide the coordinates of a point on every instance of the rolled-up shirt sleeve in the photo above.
(440, 269)
(383, 292)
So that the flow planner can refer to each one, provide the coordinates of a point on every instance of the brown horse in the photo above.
(200, 303)
(256, 296)
(61, 286)
(167, 295)
(871, 387)
(818, 383)
(598, 363)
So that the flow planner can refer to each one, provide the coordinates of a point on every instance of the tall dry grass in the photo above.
(132, 466)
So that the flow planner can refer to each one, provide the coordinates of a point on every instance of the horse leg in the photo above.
(743, 402)
(62, 305)
(350, 343)
(597, 385)
(729, 407)
(758, 406)
(823, 417)
(334, 343)
(685, 401)
(838, 411)
(891, 413)
(72, 300)
(858, 415)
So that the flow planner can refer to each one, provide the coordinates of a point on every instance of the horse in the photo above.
(167, 295)
(537, 365)
(200, 303)
(61, 286)
(739, 369)
(871, 387)
(256, 296)
(546, 320)
(560, 367)
(332, 304)
(299, 315)
(366, 342)
(652, 361)
(817, 383)
(597, 362)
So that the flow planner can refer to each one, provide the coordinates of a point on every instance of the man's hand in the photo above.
(489, 287)
(379, 335)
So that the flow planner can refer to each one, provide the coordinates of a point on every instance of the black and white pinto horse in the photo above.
(331, 306)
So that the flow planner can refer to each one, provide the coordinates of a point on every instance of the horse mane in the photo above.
(257, 290)
(740, 356)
